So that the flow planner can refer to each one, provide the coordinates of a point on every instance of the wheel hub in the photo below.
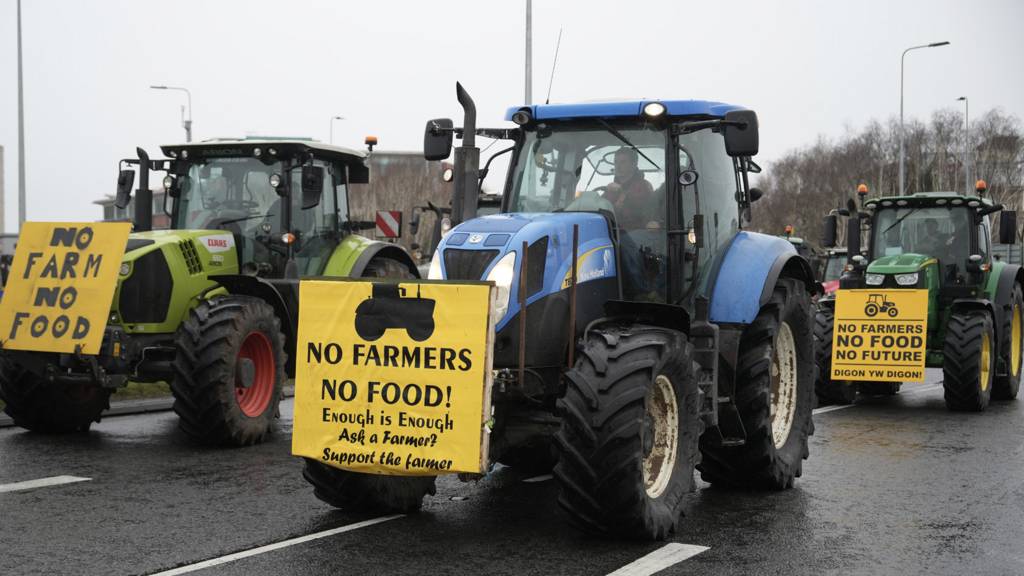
(661, 436)
(784, 385)
(255, 372)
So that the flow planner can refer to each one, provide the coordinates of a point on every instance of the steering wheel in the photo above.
(241, 204)
(590, 201)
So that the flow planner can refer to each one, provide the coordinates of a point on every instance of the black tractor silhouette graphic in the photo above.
(879, 303)
(389, 308)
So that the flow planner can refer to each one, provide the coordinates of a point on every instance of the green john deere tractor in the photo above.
(939, 241)
(210, 305)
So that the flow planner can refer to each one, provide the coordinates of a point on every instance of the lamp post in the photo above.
(967, 145)
(185, 123)
(932, 45)
(333, 118)
(21, 137)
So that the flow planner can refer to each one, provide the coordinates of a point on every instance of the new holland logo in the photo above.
(476, 238)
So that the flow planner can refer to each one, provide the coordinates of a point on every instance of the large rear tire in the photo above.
(229, 370)
(969, 360)
(356, 491)
(629, 432)
(1005, 387)
(774, 397)
(40, 405)
(829, 391)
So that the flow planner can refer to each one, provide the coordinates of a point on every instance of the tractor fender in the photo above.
(1009, 275)
(245, 285)
(383, 250)
(747, 273)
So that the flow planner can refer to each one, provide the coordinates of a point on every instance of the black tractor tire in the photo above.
(966, 387)
(1005, 387)
(759, 463)
(829, 391)
(220, 339)
(625, 377)
(386, 268)
(357, 492)
(39, 405)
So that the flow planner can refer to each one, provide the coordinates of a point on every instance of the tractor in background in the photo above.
(642, 333)
(940, 242)
(210, 306)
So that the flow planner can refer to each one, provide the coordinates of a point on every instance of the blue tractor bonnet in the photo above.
(623, 108)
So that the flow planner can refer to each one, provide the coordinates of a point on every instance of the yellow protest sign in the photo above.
(61, 285)
(880, 335)
(393, 378)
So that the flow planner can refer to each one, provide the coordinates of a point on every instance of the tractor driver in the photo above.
(630, 192)
(930, 240)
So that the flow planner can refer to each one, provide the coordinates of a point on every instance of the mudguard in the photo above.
(747, 274)
(391, 251)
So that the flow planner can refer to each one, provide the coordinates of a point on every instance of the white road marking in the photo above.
(660, 559)
(541, 478)
(276, 546)
(925, 388)
(41, 483)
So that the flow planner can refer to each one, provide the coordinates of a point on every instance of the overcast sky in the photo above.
(284, 68)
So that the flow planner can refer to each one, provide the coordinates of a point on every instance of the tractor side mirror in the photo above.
(828, 236)
(125, 181)
(853, 237)
(437, 139)
(740, 130)
(755, 194)
(1008, 227)
(312, 185)
(414, 222)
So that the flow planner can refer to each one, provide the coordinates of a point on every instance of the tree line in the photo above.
(805, 184)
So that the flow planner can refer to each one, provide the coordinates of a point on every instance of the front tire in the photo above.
(629, 432)
(829, 391)
(229, 370)
(1005, 387)
(40, 405)
(969, 360)
(774, 397)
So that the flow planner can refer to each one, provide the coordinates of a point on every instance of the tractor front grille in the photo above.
(467, 264)
(146, 294)
(191, 256)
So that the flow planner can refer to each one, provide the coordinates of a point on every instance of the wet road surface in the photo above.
(893, 485)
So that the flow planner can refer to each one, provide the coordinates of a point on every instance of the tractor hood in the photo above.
(899, 264)
(475, 248)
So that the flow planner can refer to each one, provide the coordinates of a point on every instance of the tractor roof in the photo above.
(246, 147)
(623, 108)
(927, 199)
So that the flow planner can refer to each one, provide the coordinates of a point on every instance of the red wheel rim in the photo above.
(254, 400)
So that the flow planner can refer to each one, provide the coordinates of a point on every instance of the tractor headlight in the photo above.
(874, 279)
(168, 182)
(906, 279)
(435, 267)
(502, 275)
(126, 268)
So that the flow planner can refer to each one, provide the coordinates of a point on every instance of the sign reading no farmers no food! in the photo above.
(60, 286)
(880, 335)
(393, 378)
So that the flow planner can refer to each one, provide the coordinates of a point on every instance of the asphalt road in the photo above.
(893, 486)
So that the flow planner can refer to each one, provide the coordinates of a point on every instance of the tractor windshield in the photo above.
(938, 231)
(593, 167)
(834, 267)
(235, 194)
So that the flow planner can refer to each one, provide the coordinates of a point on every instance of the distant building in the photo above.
(112, 213)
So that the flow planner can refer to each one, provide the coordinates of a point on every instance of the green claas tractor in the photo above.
(641, 333)
(210, 304)
(940, 242)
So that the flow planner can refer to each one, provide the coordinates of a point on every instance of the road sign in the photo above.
(394, 378)
(389, 224)
(880, 335)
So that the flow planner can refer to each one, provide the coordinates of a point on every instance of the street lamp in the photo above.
(932, 45)
(967, 144)
(333, 118)
(185, 123)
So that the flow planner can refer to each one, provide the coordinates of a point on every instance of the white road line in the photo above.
(276, 546)
(660, 559)
(926, 388)
(41, 483)
(541, 478)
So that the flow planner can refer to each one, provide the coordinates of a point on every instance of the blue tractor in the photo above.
(642, 333)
